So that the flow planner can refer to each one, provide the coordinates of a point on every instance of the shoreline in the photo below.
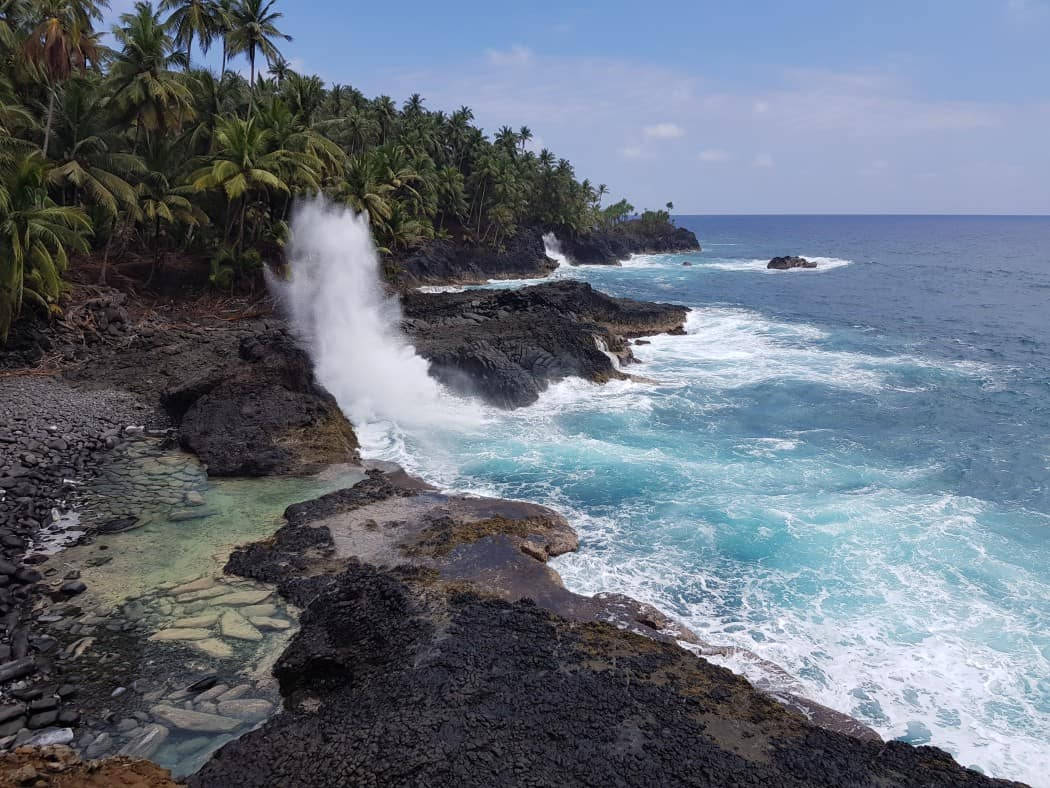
(610, 607)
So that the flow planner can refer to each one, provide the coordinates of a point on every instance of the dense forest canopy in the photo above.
(137, 148)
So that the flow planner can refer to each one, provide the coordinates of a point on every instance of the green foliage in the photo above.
(131, 149)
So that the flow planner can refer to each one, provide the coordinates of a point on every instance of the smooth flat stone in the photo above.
(204, 593)
(195, 721)
(272, 624)
(258, 610)
(234, 625)
(251, 710)
(146, 743)
(213, 647)
(239, 598)
(183, 515)
(207, 620)
(180, 634)
(237, 692)
(196, 585)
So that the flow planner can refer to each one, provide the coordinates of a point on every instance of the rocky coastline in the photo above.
(613, 246)
(434, 641)
(451, 263)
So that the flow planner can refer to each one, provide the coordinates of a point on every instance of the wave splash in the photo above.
(338, 308)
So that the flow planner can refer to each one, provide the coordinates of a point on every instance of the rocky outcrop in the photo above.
(609, 247)
(437, 646)
(262, 414)
(450, 262)
(59, 767)
(786, 263)
(507, 346)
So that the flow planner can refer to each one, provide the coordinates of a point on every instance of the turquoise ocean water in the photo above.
(845, 471)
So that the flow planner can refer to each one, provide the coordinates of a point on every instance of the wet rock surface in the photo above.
(610, 247)
(787, 263)
(405, 672)
(448, 262)
(507, 346)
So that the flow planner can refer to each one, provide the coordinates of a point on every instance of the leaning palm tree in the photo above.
(36, 236)
(61, 42)
(192, 19)
(253, 30)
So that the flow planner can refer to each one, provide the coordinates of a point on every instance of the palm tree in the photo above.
(161, 204)
(244, 164)
(254, 30)
(145, 86)
(304, 96)
(87, 162)
(192, 19)
(279, 70)
(36, 236)
(414, 106)
(60, 42)
(524, 135)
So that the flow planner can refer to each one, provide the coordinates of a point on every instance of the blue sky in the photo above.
(753, 106)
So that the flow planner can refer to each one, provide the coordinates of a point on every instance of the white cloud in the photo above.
(829, 126)
(634, 152)
(664, 131)
(713, 156)
(517, 55)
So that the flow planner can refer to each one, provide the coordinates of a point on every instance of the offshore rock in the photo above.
(448, 262)
(786, 263)
(507, 346)
(261, 414)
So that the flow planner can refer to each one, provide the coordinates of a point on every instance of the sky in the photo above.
(757, 106)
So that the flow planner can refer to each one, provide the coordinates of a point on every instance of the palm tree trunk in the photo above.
(251, 93)
(50, 117)
(244, 212)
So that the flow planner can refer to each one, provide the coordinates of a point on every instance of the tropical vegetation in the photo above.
(127, 146)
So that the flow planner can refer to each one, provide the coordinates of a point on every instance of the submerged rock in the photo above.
(194, 721)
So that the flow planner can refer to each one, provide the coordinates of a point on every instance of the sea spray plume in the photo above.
(552, 247)
(338, 307)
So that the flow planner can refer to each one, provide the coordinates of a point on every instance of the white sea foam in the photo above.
(751, 265)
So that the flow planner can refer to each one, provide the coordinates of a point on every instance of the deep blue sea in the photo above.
(845, 471)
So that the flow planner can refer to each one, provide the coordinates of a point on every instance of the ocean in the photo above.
(845, 471)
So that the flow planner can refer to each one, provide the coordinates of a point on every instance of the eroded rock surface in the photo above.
(507, 346)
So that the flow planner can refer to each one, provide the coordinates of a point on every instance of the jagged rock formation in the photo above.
(448, 262)
(262, 414)
(507, 346)
(610, 247)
